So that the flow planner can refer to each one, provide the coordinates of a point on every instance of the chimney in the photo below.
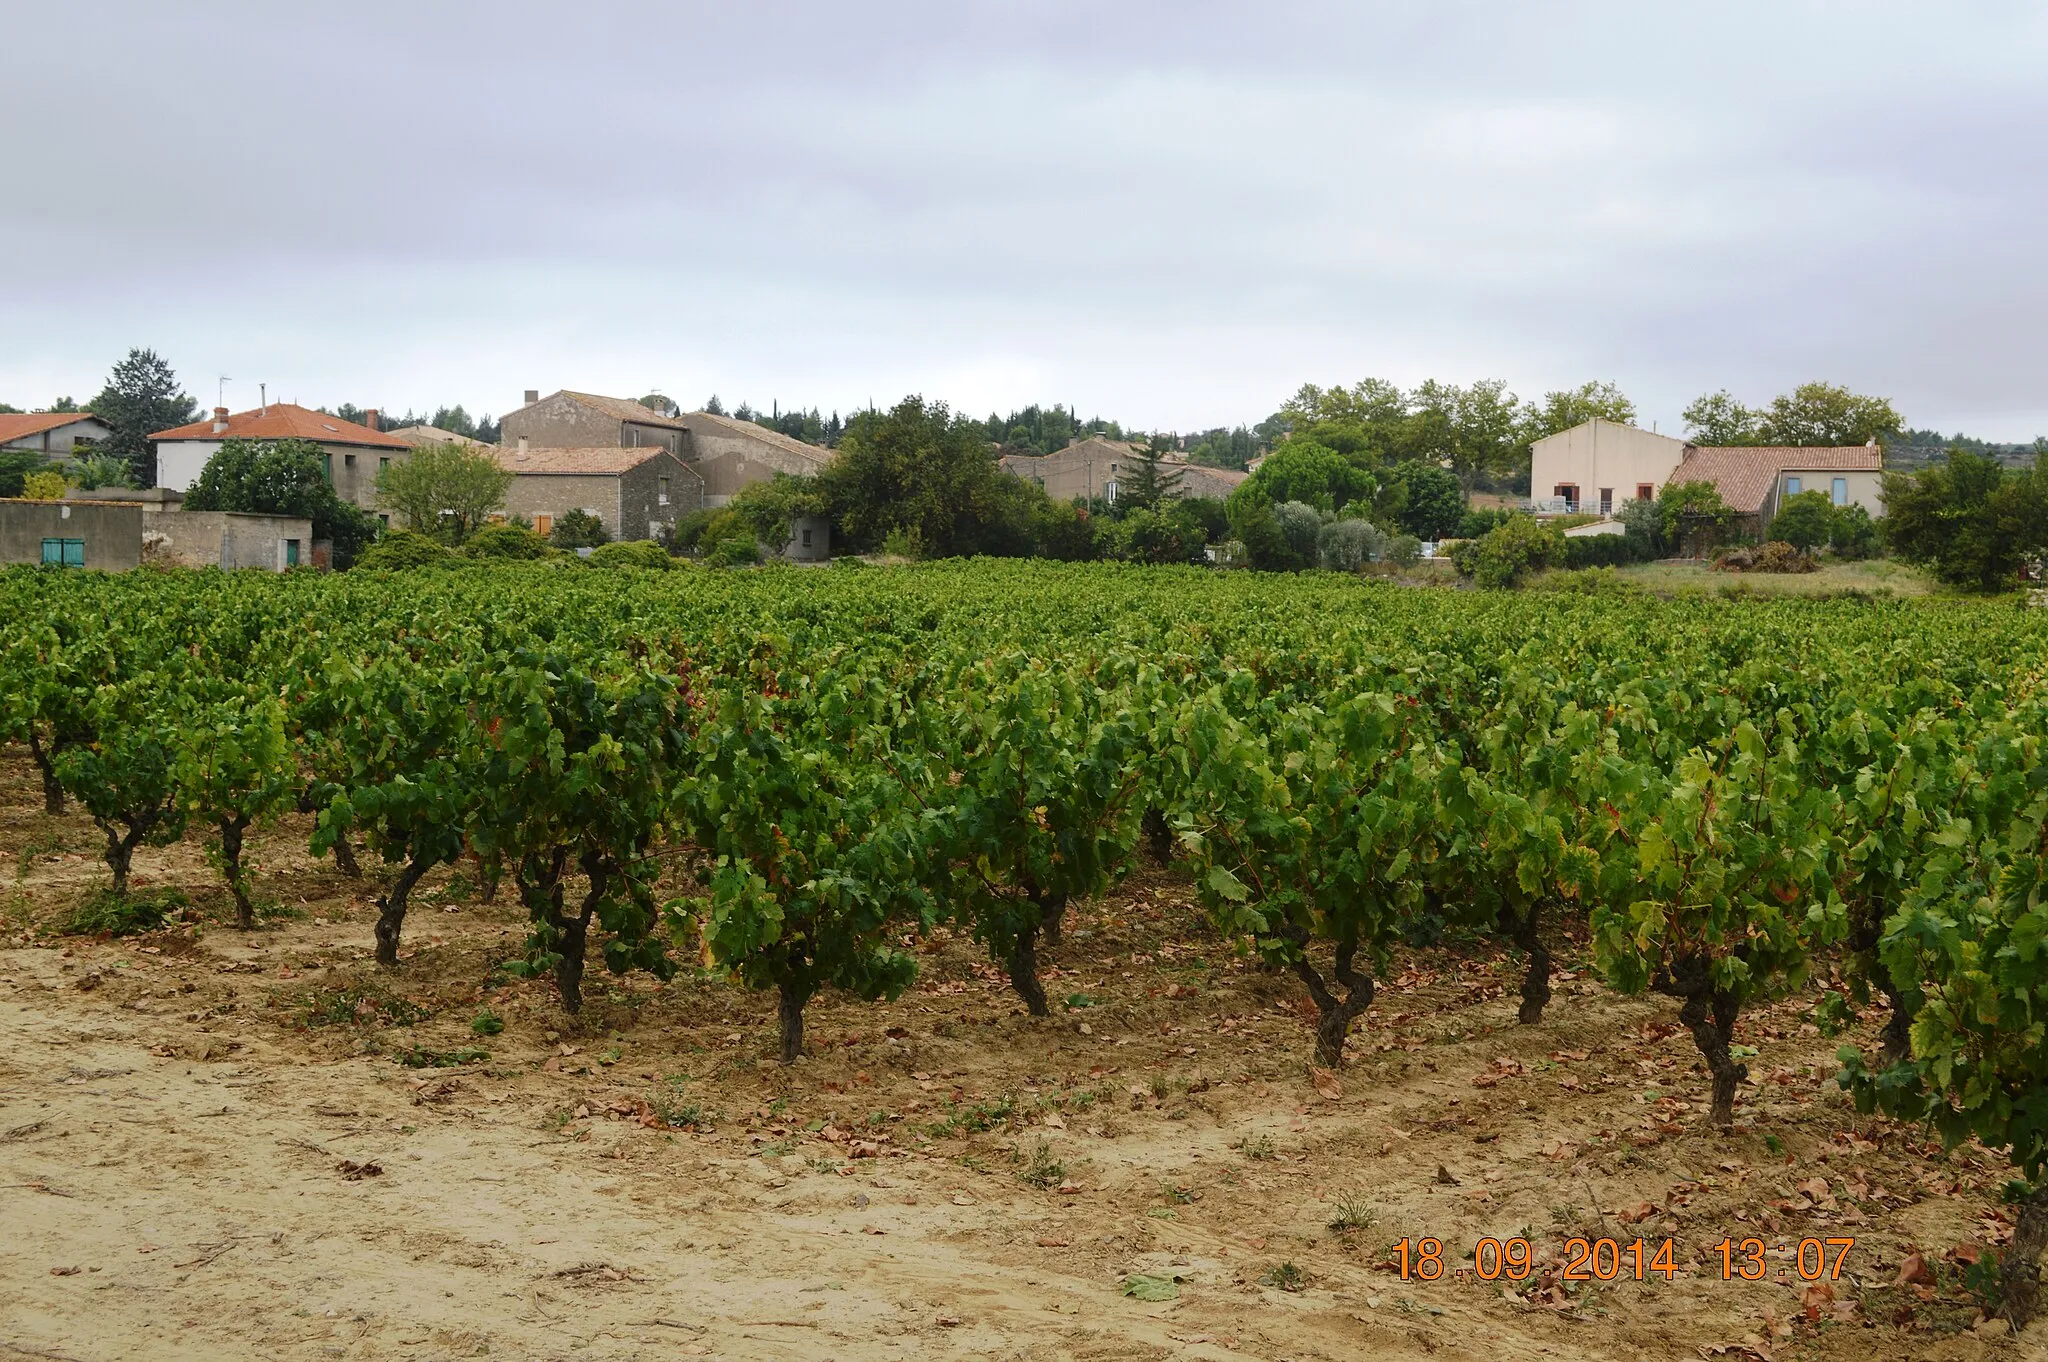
(220, 420)
(370, 419)
(532, 396)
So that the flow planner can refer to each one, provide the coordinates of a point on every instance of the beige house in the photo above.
(726, 454)
(1095, 467)
(424, 434)
(353, 452)
(1755, 479)
(1599, 465)
(637, 493)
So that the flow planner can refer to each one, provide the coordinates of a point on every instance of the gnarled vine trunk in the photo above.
(1525, 931)
(1052, 913)
(1023, 964)
(1334, 1015)
(568, 934)
(1709, 1013)
(1158, 836)
(53, 788)
(231, 830)
(790, 998)
(345, 858)
(391, 910)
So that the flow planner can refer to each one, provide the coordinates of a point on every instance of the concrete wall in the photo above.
(57, 443)
(226, 539)
(1599, 455)
(112, 531)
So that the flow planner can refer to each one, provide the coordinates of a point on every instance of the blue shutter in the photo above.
(53, 553)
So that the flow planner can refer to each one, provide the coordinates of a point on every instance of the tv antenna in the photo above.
(220, 395)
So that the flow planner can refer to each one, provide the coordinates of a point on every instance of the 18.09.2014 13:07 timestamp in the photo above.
(1609, 1260)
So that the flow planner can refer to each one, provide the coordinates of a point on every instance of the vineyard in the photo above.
(1711, 888)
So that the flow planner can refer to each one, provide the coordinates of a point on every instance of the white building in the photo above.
(1599, 465)
(353, 453)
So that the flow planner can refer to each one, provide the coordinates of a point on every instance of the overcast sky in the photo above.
(1172, 214)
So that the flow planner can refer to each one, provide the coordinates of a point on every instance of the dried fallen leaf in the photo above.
(1914, 1271)
(1635, 1213)
(1326, 1084)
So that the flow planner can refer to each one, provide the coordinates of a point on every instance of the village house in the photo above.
(1601, 465)
(1092, 468)
(637, 493)
(354, 453)
(726, 454)
(423, 434)
(52, 433)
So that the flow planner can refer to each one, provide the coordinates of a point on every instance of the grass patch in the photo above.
(359, 1005)
(420, 1057)
(105, 913)
(1256, 1147)
(486, 1023)
(1286, 1277)
(1043, 1171)
(976, 1117)
(1353, 1212)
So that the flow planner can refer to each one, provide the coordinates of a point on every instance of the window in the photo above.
(543, 524)
(661, 497)
(1792, 485)
(384, 519)
(348, 461)
(1570, 492)
(807, 538)
(64, 553)
(1607, 501)
(1841, 492)
(327, 467)
(383, 464)
(291, 553)
(1646, 491)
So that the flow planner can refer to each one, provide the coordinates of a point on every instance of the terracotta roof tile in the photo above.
(572, 461)
(431, 435)
(284, 421)
(1744, 474)
(16, 426)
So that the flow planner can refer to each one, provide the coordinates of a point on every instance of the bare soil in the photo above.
(216, 1144)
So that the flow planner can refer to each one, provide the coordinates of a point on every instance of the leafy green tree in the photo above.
(281, 477)
(1805, 520)
(920, 472)
(16, 465)
(1560, 411)
(91, 472)
(1152, 480)
(1171, 533)
(771, 507)
(1694, 516)
(1829, 414)
(1433, 502)
(1717, 418)
(399, 550)
(1348, 545)
(1302, 470)
(1968, 519)
(446, 490)
(514, 542)
(578, 529)
(141, 397)
(1509, 552)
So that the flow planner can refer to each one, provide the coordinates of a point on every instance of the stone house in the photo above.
(732, 454)
(1094, 467)
(424, 434)
(354, 453)
(637, 493)
(573, 420)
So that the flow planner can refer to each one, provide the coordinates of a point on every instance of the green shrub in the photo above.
(1806, 521)
(578, 529)
(399, 550)
(1602, 550)
(106, 913)
(737, 549)
(1508, 553)
(506, 541)
(47, 485)
(1854, 534)
(633, 553)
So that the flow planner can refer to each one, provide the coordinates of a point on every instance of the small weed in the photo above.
(420, 1057)
(1085, 1099)
(976, 1117)
(105, 913)
(559, 1118)
(359, 1005)
(40, 845)
(673, 1111)
(1044, 1171)
(1080, 1000)
(486, 1023)
(775, 1150)
(459, 889)
(1353, 1212)
(1184, 1196)
(1256, 1146)
(1774, 1144)
(1287, 1277)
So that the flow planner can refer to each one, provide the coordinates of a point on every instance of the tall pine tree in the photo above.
(1152, 478)
(141, 396)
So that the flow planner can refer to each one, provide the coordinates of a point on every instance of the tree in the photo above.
(1560, 411)
(447, 490)
(1693, 515)
(1477, 430)
(1805, 520)
(1433, 502)
(91, 472)
(141, 397)
(919, 472)
(1152, 479)
(16, 465)
(1305, 471)
(1968, 519)
(1509, 552)
(1828, 414)
(578, 529)
(1718, 419)
(281, 477)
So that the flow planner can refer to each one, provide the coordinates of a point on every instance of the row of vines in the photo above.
(1728, 799)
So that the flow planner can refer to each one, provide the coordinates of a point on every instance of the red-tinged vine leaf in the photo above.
(1968, 1253)
(1816, 1299)
(1326, 1084)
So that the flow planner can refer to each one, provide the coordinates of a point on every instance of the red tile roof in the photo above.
(1744, 474)
(284, 421)
(21, 424)
(571, 461)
